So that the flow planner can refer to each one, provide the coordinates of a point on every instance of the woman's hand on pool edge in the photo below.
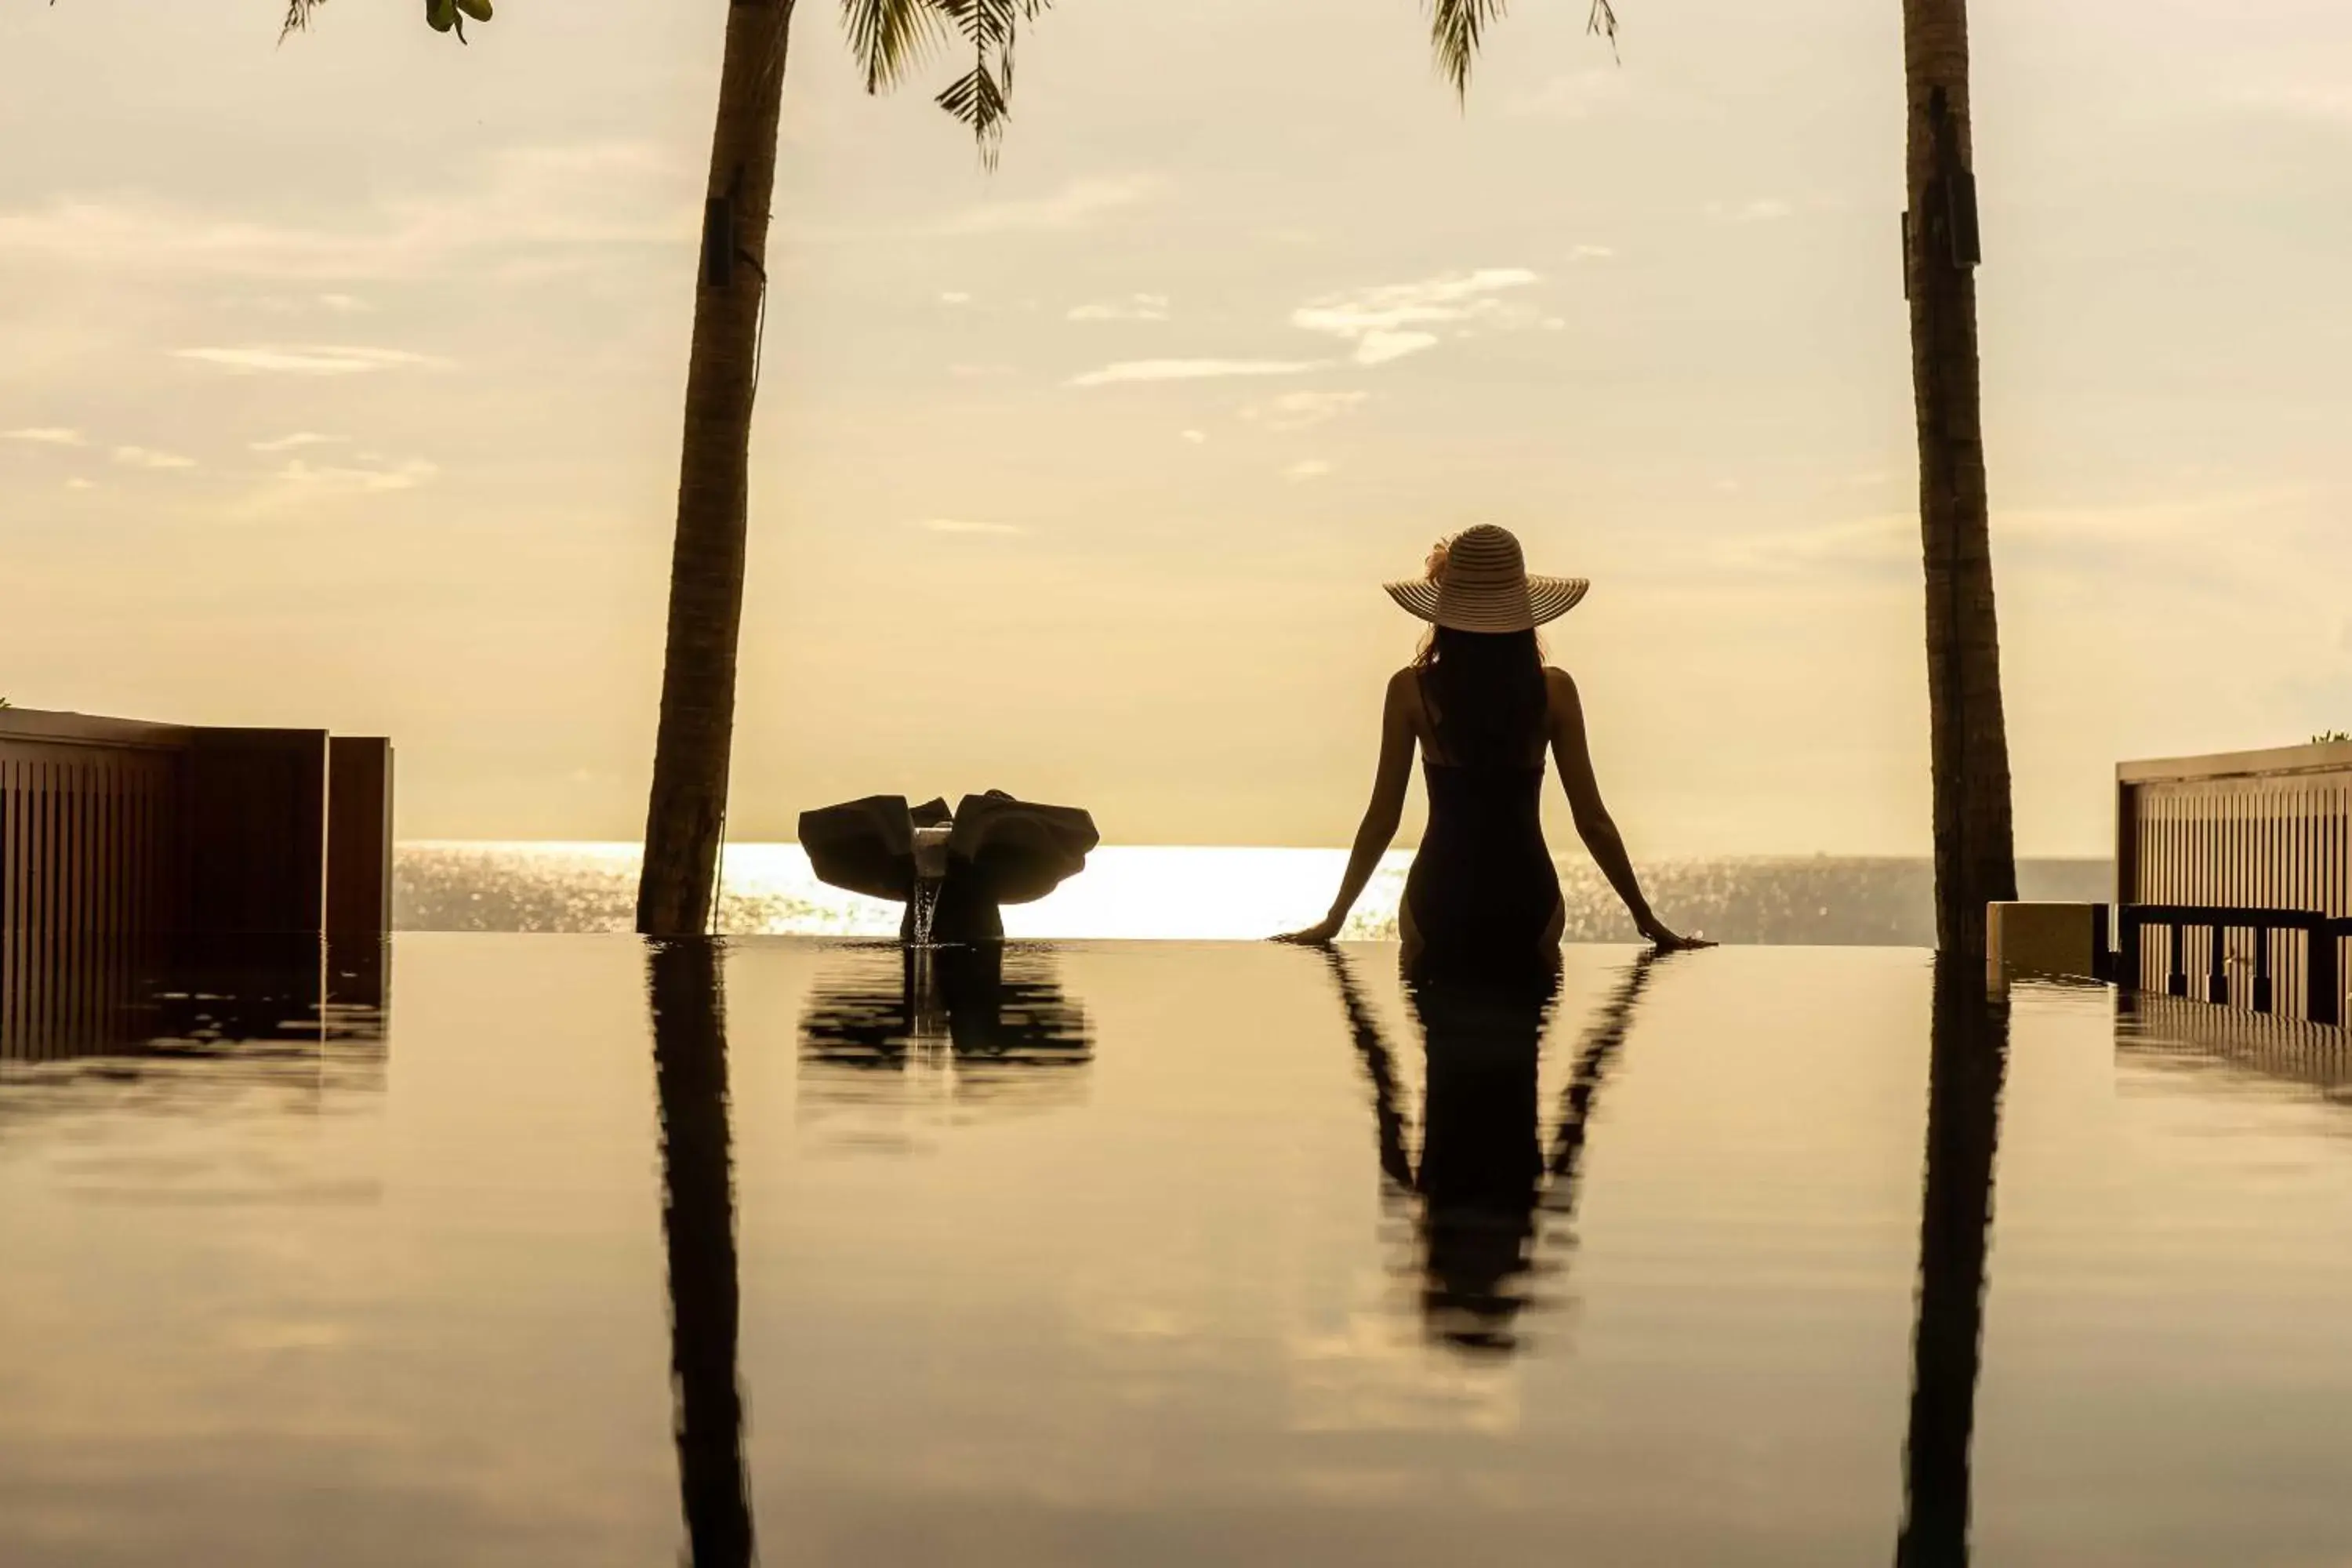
(1667, 940)
(1322, 933)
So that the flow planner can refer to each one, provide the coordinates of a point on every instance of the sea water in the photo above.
(1195, 893)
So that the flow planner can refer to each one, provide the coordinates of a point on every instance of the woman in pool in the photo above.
(1482, 899)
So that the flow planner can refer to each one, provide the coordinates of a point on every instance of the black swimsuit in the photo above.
(1482, 891)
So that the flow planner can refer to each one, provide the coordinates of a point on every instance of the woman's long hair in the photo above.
(1486, 693)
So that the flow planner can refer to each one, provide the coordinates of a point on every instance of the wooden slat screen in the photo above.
(89, 883)
(132, 852)
(2256, 830)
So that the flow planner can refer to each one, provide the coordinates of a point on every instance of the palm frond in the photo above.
(1457, 28)
(297, 17)
(979, 99)
(889, 36)
(1603, 21)
(977, 102)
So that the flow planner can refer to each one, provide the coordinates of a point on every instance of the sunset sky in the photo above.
(339, 385)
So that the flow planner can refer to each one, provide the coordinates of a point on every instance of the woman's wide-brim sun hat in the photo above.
(1478, 581)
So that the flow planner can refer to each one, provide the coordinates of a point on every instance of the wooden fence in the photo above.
(2234, 875)
(132, 854)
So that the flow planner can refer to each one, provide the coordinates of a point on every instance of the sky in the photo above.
(339, 386)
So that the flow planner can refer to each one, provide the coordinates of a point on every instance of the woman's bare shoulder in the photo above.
(1565, 708)
(1403, 702)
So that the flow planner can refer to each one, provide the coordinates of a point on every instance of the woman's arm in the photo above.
(1593, 825)
(1381, 817)
(1380, 1064)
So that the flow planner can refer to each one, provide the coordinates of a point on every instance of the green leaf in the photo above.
(297, 17)
(441, 13)
(1457, 29)
(889, 36)
(479, 10)
(976, 100)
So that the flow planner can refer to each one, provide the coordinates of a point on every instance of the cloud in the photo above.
(526, 212)
(1076, 205)
(1611, 93)
(81, 484)
(304, 359)
(301, 478)
(1191, 370)
(1389, 322)
(148, 458)
(1578, 95)
(967, 526)
(1195, 436)
(298, 439)
(1134, 308)
(2172, 537)
(955, 297)
(46, 436)
(1379, 348)
(1592, 253)
(1308, 468)
(1302, 410)
(2328, 104)
(303, 490)
(1770, 209)
(1873, 546)
(344, 304)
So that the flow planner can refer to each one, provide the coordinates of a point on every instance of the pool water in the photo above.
(1169, 1253)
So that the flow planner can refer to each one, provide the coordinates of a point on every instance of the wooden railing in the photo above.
(132, 852)
(2234, 878)
(2322, 989)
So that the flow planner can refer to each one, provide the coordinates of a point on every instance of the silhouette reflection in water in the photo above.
(194, 1014)
(698, 1223)
(1969, 1060)
(988, 1022)
(1484, 1176)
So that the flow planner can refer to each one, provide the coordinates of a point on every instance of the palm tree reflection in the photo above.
(1968, 1058)
(698, 1223)
(1482, 1173)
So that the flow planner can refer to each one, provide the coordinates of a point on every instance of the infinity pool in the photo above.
(1141, 1254)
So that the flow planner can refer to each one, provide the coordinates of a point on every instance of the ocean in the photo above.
(1194, 893)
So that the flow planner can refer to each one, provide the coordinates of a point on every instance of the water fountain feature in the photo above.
(953, 870)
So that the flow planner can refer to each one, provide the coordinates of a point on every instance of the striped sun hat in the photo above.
(1478, 582)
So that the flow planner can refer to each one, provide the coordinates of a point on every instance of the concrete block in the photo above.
(2068, 940)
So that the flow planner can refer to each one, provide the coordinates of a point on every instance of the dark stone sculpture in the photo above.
(953, 870)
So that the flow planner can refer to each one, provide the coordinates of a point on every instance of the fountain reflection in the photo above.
(1484, 1183)
(1968, 1062)
(982, 1024)
(689, 1029)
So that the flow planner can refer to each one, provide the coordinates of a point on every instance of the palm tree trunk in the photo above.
(688, 806)
(1975, 855)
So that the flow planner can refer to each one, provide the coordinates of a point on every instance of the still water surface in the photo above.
(1179, 1254)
